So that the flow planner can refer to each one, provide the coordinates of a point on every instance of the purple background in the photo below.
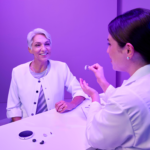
(79, 34)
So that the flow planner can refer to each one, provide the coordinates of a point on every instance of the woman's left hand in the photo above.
(63, 106)
(89, 91)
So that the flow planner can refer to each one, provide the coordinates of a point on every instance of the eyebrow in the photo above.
(107, 39)
(44, 42)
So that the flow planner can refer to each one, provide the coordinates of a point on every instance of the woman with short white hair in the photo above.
(38, 86)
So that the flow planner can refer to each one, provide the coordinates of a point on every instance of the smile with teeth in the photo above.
(44, 54)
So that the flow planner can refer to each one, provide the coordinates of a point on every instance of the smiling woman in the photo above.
(39, 44)
(123, 123)
(117, 54)
(38, 86)
(41, 50)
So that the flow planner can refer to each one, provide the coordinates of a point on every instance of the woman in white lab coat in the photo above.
(38, 86)
(123, 123)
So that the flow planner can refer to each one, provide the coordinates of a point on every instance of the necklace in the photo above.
(32, 68)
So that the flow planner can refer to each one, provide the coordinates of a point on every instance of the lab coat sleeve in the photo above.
(109, 92)
(72, 85)
(13, 102)
(108, 127)
(104, 96)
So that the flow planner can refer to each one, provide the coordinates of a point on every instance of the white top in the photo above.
(124, 122)
(41, 74)
(24, 89)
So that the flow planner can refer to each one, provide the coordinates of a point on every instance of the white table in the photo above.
(68, 131)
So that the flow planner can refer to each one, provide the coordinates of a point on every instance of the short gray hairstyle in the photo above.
(36, 31)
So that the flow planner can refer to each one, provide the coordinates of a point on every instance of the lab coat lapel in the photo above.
(138, 74)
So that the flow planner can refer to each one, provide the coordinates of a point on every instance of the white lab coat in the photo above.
(24, 89)
(124, 122)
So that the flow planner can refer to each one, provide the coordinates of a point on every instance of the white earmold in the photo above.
(86, 67)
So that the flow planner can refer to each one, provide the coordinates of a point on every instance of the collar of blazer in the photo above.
(145, 70)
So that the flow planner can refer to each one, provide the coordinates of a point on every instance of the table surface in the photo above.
(68, 131)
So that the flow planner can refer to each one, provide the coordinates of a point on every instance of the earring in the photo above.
(128, 58)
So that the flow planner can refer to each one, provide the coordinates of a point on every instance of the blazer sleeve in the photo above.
(72, 85)
(13, 101)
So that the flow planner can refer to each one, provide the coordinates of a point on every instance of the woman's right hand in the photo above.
(99, 74)
(98, 71)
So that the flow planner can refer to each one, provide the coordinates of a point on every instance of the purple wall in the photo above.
(135, 4)
(78, 29)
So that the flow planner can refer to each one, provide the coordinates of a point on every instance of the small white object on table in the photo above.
(65, 131)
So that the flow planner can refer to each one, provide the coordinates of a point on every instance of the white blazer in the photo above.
(124, 122)
(24, 88)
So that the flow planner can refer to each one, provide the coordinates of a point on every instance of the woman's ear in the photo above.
(30, 51)
(129, 50)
